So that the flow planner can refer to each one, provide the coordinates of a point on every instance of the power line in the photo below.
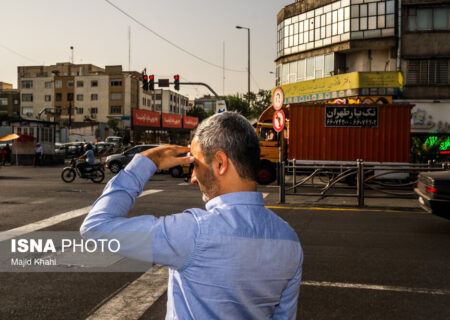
(16, 53)
(168, 41)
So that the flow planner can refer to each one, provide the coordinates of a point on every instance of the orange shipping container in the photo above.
(316, 135)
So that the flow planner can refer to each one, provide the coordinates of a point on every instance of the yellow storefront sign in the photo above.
(346, 84)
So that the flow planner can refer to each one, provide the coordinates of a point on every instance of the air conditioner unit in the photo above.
(29, 114)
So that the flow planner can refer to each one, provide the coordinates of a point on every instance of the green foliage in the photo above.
(250, 105)
(198, 112)
(113, 124)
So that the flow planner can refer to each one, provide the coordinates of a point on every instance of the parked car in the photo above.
(433, 189)
(116, 141)
(61, 148)
(116, 162)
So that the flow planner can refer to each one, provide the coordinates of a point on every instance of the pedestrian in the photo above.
(8, 153)
(37, 155)
(3, 155)
(236, 259)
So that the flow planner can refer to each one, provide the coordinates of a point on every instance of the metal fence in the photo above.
(352, 179)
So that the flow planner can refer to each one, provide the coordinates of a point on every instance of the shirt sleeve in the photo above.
(166, 240)
(287, 309)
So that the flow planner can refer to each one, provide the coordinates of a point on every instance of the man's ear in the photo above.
(221, 163)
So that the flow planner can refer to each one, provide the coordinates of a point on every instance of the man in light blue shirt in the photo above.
(234, 260)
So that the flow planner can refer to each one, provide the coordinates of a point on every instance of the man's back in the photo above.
(243, 259)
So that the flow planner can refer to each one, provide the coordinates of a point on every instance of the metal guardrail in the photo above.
(383, 180)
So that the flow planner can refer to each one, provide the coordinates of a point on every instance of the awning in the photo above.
(14, 136)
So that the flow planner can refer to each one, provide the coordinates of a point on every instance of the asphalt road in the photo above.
(363, 264)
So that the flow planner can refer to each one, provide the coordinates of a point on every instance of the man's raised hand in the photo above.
(165, 156)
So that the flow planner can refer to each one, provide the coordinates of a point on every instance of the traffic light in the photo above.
(152, 82)
(145, 82)
(176, 82)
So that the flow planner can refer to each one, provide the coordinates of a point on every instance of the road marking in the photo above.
(8, 234)
(184, 184)
(133, 300)
(374, 287)
(265, 195)
(342, 209)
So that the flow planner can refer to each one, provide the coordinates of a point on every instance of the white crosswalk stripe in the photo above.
(8, 234)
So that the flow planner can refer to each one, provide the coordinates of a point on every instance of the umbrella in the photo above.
(14, 136)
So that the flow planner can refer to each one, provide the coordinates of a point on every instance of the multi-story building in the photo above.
(168, 101)
(9, 100)
(372, 50)
(73, 93)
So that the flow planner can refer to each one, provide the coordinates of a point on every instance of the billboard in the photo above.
(170, 120)
(144, 118)
(190, 122)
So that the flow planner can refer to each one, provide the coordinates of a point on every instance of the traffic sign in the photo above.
(278, 99)
(278, 120)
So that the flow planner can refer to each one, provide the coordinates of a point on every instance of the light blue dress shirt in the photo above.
(236, 260)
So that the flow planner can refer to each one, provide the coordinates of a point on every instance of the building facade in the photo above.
(9, 100)
(372, 51)
(71, 93)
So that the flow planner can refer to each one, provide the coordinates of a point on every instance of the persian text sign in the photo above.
(190, 122)
(171, 120)
(351, 116)
(144, 118)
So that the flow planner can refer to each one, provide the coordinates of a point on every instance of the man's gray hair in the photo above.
(231, 133)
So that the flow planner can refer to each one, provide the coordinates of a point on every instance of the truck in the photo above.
(329, 133)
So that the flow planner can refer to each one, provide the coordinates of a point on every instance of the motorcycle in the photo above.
(94, 172)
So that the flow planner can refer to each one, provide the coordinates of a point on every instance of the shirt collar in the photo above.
(235, 198)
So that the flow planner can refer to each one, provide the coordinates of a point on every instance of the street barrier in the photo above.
(357, 179)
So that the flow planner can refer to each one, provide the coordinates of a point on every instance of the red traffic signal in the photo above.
(144, 82)
(152, 82)
(176, 82)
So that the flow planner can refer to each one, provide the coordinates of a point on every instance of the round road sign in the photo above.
(278, 99)
(278, 120)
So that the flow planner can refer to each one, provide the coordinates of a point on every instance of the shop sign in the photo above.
(170, 120)
(144, 118)
(190, 122)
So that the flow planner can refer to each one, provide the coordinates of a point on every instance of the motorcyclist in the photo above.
(87, 160)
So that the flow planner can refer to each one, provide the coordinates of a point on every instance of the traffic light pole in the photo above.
(199, 84)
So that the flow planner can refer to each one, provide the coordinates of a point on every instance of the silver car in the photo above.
(117, 162)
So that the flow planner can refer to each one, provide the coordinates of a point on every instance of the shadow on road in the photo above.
(14, 178)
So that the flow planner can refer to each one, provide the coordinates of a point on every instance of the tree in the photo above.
(250, 105)
(113, 124)
(198, 112)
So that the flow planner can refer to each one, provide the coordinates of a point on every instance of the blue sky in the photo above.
(41, 32)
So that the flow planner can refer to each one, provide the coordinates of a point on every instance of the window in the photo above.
(144, 101)
(427, 72)
(94, 110)
(80, 97)
(116, 109)
(70, 97)
(116, 96)
(427, 19)
(310, 68)
(58, 97)
(48, 97)
(94, 83)
(27, 97)
(329, 65)
(94, 96)
(70, 83)
(80, 110)
(58, 83)
(116, 82)
(48, 84)
(27, 111)
(27, 84)
(80, 84)
(158, 96)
